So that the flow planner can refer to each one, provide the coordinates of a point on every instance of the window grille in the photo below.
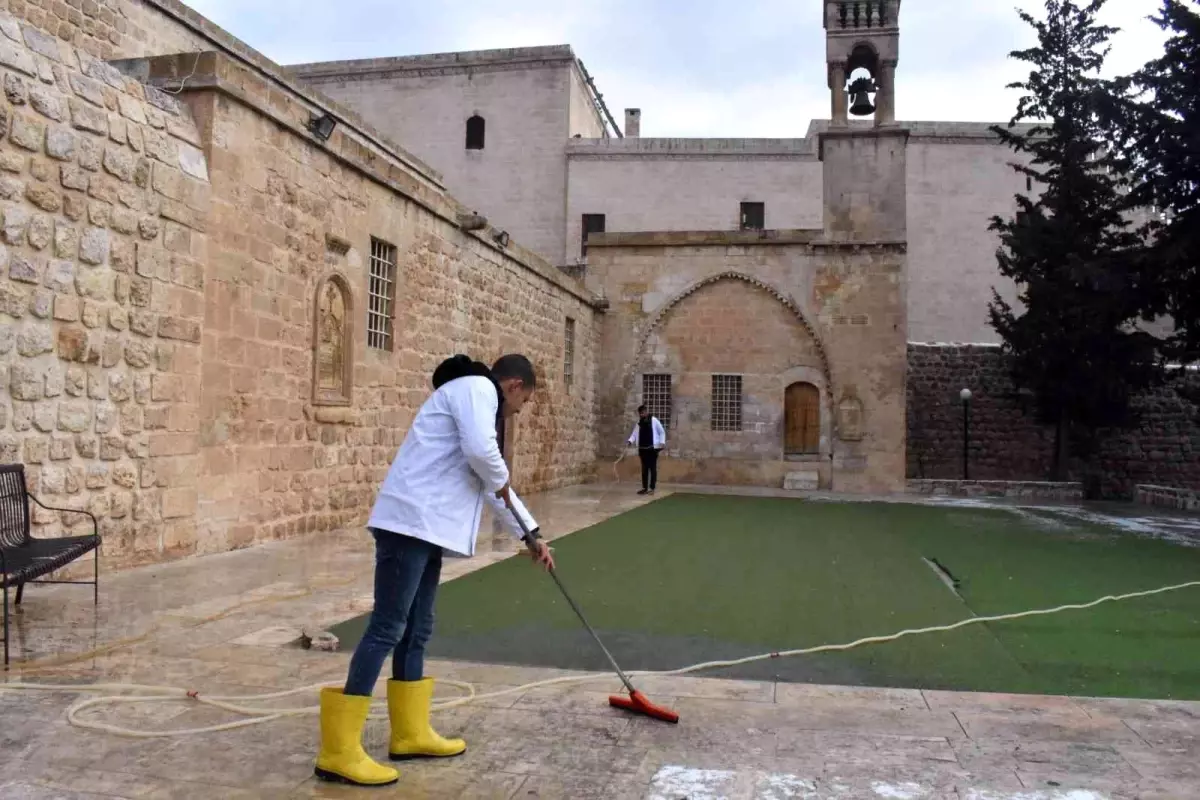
(381, 295)
(726, 402)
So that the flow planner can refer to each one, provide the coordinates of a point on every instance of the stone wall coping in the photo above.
(1065, 491)
(666, 147)
(810, 237)
(1152, 487)
(446, 63)
(960, 482)
(955, 345)
(230, 76)
(274, 73)
(944, 132)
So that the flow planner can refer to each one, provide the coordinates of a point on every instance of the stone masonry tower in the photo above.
(862, 46)
(864, 168)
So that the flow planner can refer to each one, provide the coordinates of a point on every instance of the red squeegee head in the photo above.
(638, 704)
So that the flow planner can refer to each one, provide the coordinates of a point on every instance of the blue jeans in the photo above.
(406, 580)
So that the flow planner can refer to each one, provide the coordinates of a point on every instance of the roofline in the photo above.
(461, 60)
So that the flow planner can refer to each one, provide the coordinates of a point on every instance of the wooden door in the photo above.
(802, 419)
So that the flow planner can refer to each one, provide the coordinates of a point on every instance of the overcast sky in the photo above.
(739, 68)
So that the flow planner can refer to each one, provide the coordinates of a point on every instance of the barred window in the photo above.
(656, 396)
(726, 402)
(569, 354)
(382, 295)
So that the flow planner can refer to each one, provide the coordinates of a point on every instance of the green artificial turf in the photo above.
(693, 578)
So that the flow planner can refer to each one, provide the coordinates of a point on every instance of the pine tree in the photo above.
(1071, 251)
(1162, 128)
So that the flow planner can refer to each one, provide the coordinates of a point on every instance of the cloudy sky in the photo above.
(694, 67)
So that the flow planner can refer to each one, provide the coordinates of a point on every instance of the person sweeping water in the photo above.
(429, 505)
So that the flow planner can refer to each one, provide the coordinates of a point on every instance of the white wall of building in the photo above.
(519, 179)
(584, 121)
(955, 187)
(536, 180)
(690, 185)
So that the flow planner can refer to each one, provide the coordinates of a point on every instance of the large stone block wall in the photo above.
(110, 29)
(1005, 442)
(102, 185)
(159, 275)
(276, 462)
(776, 312)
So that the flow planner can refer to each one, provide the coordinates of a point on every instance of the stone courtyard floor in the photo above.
(224, 625)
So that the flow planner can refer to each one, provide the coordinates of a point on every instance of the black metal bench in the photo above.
(24, 559)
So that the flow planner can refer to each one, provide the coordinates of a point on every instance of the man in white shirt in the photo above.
(429, 505)
(650, 437)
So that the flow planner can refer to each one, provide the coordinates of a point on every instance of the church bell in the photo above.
(860, 91)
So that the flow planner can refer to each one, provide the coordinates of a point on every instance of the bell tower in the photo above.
(862, 46)
(864, 168)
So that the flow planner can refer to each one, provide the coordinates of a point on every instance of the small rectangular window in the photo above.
(726, 402)
(592, 223)
(569, 354)
(656, 396)
(381, 295)
(754, 216)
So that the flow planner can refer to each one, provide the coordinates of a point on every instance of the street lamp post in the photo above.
(965, 395)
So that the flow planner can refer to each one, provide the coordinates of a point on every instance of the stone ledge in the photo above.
(335, 415)
(1031, 490)
(458, 61)
(1167, 497)
(239, 50)
(802, 481)
(813, 238)
(648, 147)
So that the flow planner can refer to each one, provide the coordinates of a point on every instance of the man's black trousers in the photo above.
(649, 457)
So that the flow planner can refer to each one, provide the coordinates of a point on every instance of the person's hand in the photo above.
(504, 495)
(540, 552)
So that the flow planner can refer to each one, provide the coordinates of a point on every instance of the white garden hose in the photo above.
(256, 715)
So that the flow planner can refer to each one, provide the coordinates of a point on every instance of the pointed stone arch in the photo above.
(659, 318)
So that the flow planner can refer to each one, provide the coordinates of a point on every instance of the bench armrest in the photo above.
(90, 515)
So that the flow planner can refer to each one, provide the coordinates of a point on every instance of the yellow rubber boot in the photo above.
(412, 736)
(342, 758)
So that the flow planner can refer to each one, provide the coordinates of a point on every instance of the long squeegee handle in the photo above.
(530, 542)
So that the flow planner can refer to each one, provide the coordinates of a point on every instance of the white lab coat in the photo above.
(659, 434)
(447, 466)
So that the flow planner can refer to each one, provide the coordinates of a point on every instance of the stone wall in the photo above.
(518, 180)
(288, 214)
(108, 29)
(101, 304)
(956, 184)
(730, 327)
(1166, 497)
(1005, 444)
(168, 261)
(690, 184)
(1045, 491)
(780, 311)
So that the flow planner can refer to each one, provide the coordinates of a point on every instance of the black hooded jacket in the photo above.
(461, 366)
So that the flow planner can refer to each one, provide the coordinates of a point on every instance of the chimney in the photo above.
(633, 123)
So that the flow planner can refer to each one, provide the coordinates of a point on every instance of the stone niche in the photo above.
(850, 419)
(333, 351)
